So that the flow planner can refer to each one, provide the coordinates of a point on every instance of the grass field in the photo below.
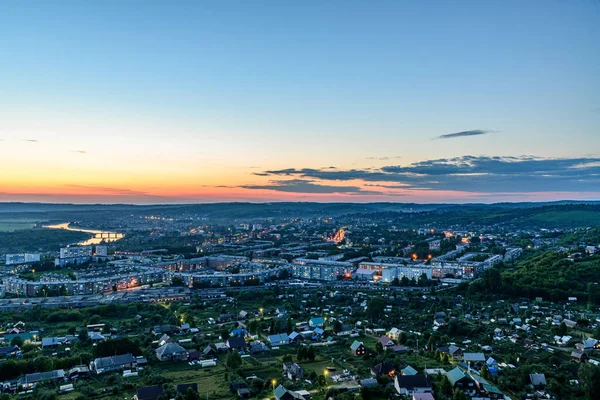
(10, 225)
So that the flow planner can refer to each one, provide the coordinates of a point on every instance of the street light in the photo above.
(273, 382)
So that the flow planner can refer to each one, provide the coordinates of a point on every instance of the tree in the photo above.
(177, 281)
(402, 338)
(337, 326)
(375, 308)
(17, 341)
(485, 372)
(321, 381)
(287, 358)
(253, 326)
(190, 394)
(446, 386)
(224, 333)
(459, 395)
(284, 274)
(589, 375)
(233, 360)
(562, 329)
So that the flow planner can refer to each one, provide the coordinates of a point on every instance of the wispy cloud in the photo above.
(382, 158)
(113, 191)
(31, 140)
(308, 186)
(475, 132)
(80, 151)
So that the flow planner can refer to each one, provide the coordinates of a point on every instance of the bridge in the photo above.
(108, 235)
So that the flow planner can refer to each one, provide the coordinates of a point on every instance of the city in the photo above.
(299, 200)
(371, 303)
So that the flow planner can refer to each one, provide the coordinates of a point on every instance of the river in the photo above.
(99, 236)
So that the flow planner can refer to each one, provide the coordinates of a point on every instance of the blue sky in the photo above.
(214, 92)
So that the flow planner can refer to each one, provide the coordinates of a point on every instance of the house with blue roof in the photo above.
(316, 322)
(280, 339)
(238, 332)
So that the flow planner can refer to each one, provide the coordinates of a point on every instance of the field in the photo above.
(10, 225)
(38, 239)
(568, 218)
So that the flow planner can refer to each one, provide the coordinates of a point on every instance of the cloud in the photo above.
(478, 174)
(475, 132)
(80, 151)
(382, 158)
(307, 186)
(31, 140)
(114, 191)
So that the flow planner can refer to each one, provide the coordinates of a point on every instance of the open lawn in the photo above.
(10, 225)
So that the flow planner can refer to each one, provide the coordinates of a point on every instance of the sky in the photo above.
(204, 101)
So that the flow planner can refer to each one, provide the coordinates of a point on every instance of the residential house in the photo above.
(316, 322)
(460, 380)
(358, 348)
(398, 349)
(236, 343)
(51, 342)
(113, 363)
(474, 358)
(29, 381)
(579, 356)
(209, 352)
(171, 352)
(10, 351)
(538, 381)
(281, 339)
(407, 385)
(484, 389)
(78, 372)
(439, 319)
(408, 370)
(394, 333)
(293, 371)
(384, 368)
(369, 382)
(294, 336)
(569, 323)
(590, 343)
(423, 396)
(164, 339)
(149, 392)
(386, 342)
(281, 393)
(257, 347)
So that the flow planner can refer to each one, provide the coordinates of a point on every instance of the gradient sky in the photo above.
(193, 101)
